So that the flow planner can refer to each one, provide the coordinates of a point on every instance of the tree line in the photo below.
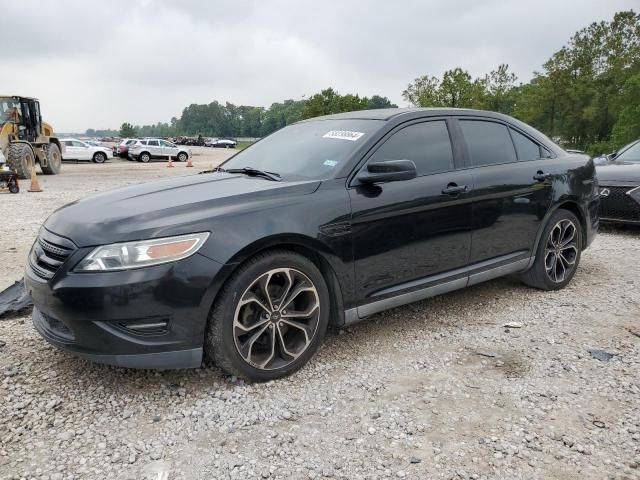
(587, 95)
(229, 120)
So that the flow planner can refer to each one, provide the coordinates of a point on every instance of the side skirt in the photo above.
(356, 314)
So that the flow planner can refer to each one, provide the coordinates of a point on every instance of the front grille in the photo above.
(48, 254)
(619, 204)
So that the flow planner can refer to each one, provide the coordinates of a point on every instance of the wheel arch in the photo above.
(56, 141)
(309, 248)
(570, 205)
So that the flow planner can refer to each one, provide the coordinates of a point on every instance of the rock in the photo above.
(601, 355)
(513, 325)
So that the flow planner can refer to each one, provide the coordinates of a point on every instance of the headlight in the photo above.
(124, 256)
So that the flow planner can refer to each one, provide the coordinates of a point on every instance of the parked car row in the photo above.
(147, 149)
(200, 141)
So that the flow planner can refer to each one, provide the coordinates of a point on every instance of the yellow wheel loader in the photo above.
(25, 139)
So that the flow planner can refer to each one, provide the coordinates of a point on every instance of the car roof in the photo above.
(18, 96)
(391, 113)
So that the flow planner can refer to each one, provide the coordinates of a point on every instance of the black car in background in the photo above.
(619, 181)
(326, 221)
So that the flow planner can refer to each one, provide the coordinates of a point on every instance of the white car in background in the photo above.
(78, 150)
(155, 148)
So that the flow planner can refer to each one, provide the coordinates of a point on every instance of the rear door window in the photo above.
(427, 144)
(488, 143)
(153, 143)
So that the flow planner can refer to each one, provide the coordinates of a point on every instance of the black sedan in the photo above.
(619, 181)
(326, 221)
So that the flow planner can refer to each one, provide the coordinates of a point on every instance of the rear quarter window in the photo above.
(526, 148)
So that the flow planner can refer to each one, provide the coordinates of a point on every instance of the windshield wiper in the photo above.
(252, 172)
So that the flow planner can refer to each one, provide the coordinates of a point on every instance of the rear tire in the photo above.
(13, 188)
(283, 340)
(18, 159)
(144, 157)
(54, 160)
(558, 253)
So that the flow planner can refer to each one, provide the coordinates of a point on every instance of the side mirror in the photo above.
(388, 171)
(612, 156)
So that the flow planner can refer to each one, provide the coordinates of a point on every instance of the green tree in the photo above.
(127, 130)
(377, 101)
(585, 94)
(423, 92)
(456, 89)
(500, 90)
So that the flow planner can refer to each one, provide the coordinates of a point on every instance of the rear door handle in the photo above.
(540, 176)
(454, 189)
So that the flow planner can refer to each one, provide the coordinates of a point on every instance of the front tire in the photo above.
(54, 160)
(99, 157)
(19, 156)
(182, 157)
(269, 318)
(558, 253)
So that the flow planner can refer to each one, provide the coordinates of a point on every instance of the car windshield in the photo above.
(631, 154)
(308, 150)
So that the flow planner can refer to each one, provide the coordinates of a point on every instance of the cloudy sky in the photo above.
(96, 64)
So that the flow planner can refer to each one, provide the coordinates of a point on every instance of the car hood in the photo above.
(168, 207)
(619, 172)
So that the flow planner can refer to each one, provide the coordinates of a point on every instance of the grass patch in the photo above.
(243, 145)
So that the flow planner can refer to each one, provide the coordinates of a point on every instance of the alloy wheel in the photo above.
(561, 251)
(276, 318)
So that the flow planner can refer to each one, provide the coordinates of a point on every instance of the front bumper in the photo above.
(47, 327)
(152, 317)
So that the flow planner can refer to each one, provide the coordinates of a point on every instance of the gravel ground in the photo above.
(437, 389)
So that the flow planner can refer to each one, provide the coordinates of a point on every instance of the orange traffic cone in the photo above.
(35, 185)
(189, 163)
(170, 165)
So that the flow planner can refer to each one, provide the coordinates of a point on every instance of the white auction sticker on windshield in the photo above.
(343, 135)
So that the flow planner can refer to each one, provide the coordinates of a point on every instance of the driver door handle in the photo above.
(540, 176)
(455, 189)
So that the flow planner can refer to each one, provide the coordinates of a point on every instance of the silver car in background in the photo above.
(149, 149)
